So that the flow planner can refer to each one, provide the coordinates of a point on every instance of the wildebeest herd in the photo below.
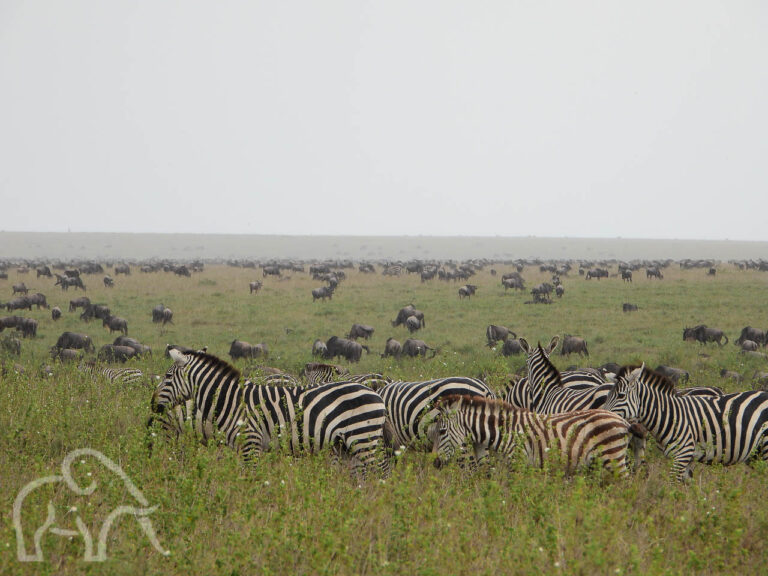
(613, 405)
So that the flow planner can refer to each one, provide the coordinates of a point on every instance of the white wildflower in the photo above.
(266, 482)
(73, 509)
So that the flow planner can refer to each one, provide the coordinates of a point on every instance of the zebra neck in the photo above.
(657, 411)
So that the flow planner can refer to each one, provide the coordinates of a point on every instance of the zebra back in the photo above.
(318, 372)
(114, 375)
(518, 393)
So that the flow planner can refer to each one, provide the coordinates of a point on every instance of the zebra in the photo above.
(582, 436)
(410, 406)
(518, 393)
(252, 417)
(123, 376)
(317, 372)
(372, 380)
(548, 396)
(711, 429)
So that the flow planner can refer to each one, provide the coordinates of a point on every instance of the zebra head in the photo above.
(175, 387)
(450, 433)
(541, 372)
(624, 399)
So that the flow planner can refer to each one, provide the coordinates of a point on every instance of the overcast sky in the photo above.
(590, 119)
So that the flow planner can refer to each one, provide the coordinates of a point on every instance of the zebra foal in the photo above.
(124, 376)
(580, 437)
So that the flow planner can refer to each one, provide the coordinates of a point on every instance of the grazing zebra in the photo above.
(124, 376)
(710, 429)
(411, 411)
(317, 372)
(518, 392)
(251, 417)
(548, 396)
(582, 437)
(373, 380)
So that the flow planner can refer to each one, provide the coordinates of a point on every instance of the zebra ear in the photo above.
(524, 345)
(634, 375)
(178, 358)
(553, 344)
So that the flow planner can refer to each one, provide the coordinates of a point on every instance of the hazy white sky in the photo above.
(597, 119)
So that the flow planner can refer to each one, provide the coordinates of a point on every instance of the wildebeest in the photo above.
(157, 313)
(38, 300)
(511, 347)
(55, 313)
(407, 312)
(141, 349)
(27, 327)
(167, 316)
(66, 354)
(413, 347)
(754, 334)
(627, 307)
(322, 293)
(271, 271)
(749, 346)
(318, 348)
(66, 281)
(559, 290)
(109, 282)
(11, 345)
(82, 302)
(242, 349)
(597, 273)
(122, 269)
(515, 282)
(112, 353)
(573, 344)
(10, 322)
(703, 334)
(392, 348)
(412, 323)
(626, 275)
(99, 311)
(653, 272)
(731, 375)
(255, 286)
(495, 333)
(20, 303)
(43, 271)
(20, 288)
(363, 331)
(345, 348)
(467, 291)
(75, 340)
(677, 375)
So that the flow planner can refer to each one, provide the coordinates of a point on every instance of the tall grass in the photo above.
(308, 515)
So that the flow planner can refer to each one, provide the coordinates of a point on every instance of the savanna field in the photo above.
(308, 514)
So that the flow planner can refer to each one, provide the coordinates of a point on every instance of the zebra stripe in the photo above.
(124, 376)
(253, 417)
(410, 406)
(518, 393)
(581, 437)
(548, 396)
(711, 429)
(372, 380)
(318, 373)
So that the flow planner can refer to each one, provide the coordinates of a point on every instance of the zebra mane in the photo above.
(222, 365)
(650, 378)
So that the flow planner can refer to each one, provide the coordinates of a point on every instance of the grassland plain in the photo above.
(307, 515)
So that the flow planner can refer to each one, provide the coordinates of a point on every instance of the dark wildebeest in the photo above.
(467, 291)
(20, 288)
(109, 282)
(348, 349)
(10, 322)
(392, 348)
(597, 273)
(122, 269)
(627, 307)
(66, 354)
(99, 311)
(140, 348)
(495, 333)
(730, 374)
(626, 275)
(407, 312)
(167, 316)
(360, 331)
(559, 290)
(255, 286)
(515, 282)
(75, 340)
(653, 272)
(38, 300)
(754, 334)
(749, 346)
(11, 345)
(676, 375)
(27, 327)
(82, 302)
(318, 348)
(703, 334)
(573, 344)
(270, 271)
(512, 347)
(20, 303)
(323, 292)
(413, 347)
(112, 353)
(157, 313)
(44, 271)
(242, 349)
(412, 323)
(55, 313)
(609, 370)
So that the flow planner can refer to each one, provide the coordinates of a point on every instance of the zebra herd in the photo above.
(365, 418)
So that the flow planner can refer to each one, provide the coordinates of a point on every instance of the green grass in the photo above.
(307, 515)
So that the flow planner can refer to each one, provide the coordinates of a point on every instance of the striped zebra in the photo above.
(518, 393)
(548, 396)
(581, 437)
(410, 407)
(123, 376)
(710, 429)
(251, 417)
(318, 372)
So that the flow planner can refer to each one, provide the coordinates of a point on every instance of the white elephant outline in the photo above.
(140, 513)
